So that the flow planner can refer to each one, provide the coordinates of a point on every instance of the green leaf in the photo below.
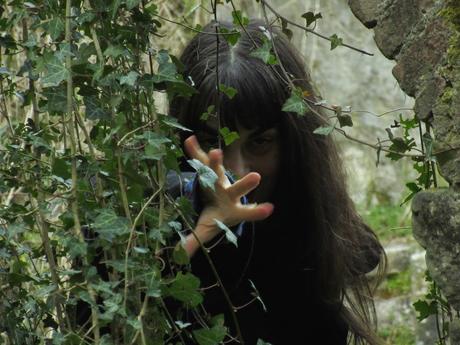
(167, 71)
(209, 112)
(210, 336)
(206, 175)
(228, 233)
(155, 139)
(264, 53)
(311, 17)
(425, 309)
(228, 90)
(134, 323)
(428, 142)
(262, 342)
(335, 41)
(130, 4)
(56, 72)
(94, 109)
(61, 167)
(231, 36)
(114, 51)
(185, 289)
(153, 151)
(324, 130)
(295, 103)
(239, 18)
(109, 226)
(57, 99)
(129, 79)
(345, 120)
(115, 6)
(229, 137)
(284, 28)
(180, 256)
(140, 250)
(55, 27)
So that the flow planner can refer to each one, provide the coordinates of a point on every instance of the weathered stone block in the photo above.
(446, 124)
(430, 90)
(366, 11)
(394, 25)
(436, 226)
(421, 55)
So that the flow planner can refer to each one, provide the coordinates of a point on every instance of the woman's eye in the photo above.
(260, 144)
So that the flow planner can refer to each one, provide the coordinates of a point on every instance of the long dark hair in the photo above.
(327, 235)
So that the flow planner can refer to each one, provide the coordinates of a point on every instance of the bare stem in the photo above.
(72, 129)
(277, 14)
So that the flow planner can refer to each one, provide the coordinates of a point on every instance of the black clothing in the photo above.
(288, 311)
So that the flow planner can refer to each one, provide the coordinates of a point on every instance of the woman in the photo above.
(302, 248)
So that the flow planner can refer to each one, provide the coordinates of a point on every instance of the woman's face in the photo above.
(255, 151)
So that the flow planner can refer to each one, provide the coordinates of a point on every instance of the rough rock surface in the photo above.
(436, 226)
(423, 37)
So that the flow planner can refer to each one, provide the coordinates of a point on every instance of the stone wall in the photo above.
(423, 37)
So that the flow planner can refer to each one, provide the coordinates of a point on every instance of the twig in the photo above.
(310, 30)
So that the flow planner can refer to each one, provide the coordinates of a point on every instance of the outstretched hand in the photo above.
(224, 203)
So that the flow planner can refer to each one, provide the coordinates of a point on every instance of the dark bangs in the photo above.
(259, 97)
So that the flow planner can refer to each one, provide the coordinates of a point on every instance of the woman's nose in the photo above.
(235, 161)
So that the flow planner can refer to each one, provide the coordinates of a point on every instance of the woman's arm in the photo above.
(224, 202)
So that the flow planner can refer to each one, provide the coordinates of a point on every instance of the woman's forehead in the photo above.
(211, 126)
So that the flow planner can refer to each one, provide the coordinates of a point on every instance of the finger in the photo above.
(216, 164)
(244, 185)
(193, 149)
(255, 212)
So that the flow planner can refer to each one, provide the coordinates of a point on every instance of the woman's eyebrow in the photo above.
(260, 131)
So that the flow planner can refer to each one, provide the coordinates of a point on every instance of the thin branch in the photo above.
(277, 14)
(71, 124)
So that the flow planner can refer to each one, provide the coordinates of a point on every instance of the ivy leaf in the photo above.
(228, 233)
(428, 142)
(345, 120)
(172, 122)
(264, 53)
(425, 309)
(284, 28)
(311, 17)
(180, 256)
(185, 289)
(129, 79)
(324, 130)
(61, 167)
(229, 137)
(335, 41)
(55, 27)
(295, 103)
(57, 99)
(94, 109)
(167, 71)
(239, 18)
(210, 336)
(231, 36)
(130, 4)
(262, 342)
(209, 112)
(56, 72)
(206, 175)
(228, 90)
(109, 226)
(114, 51)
